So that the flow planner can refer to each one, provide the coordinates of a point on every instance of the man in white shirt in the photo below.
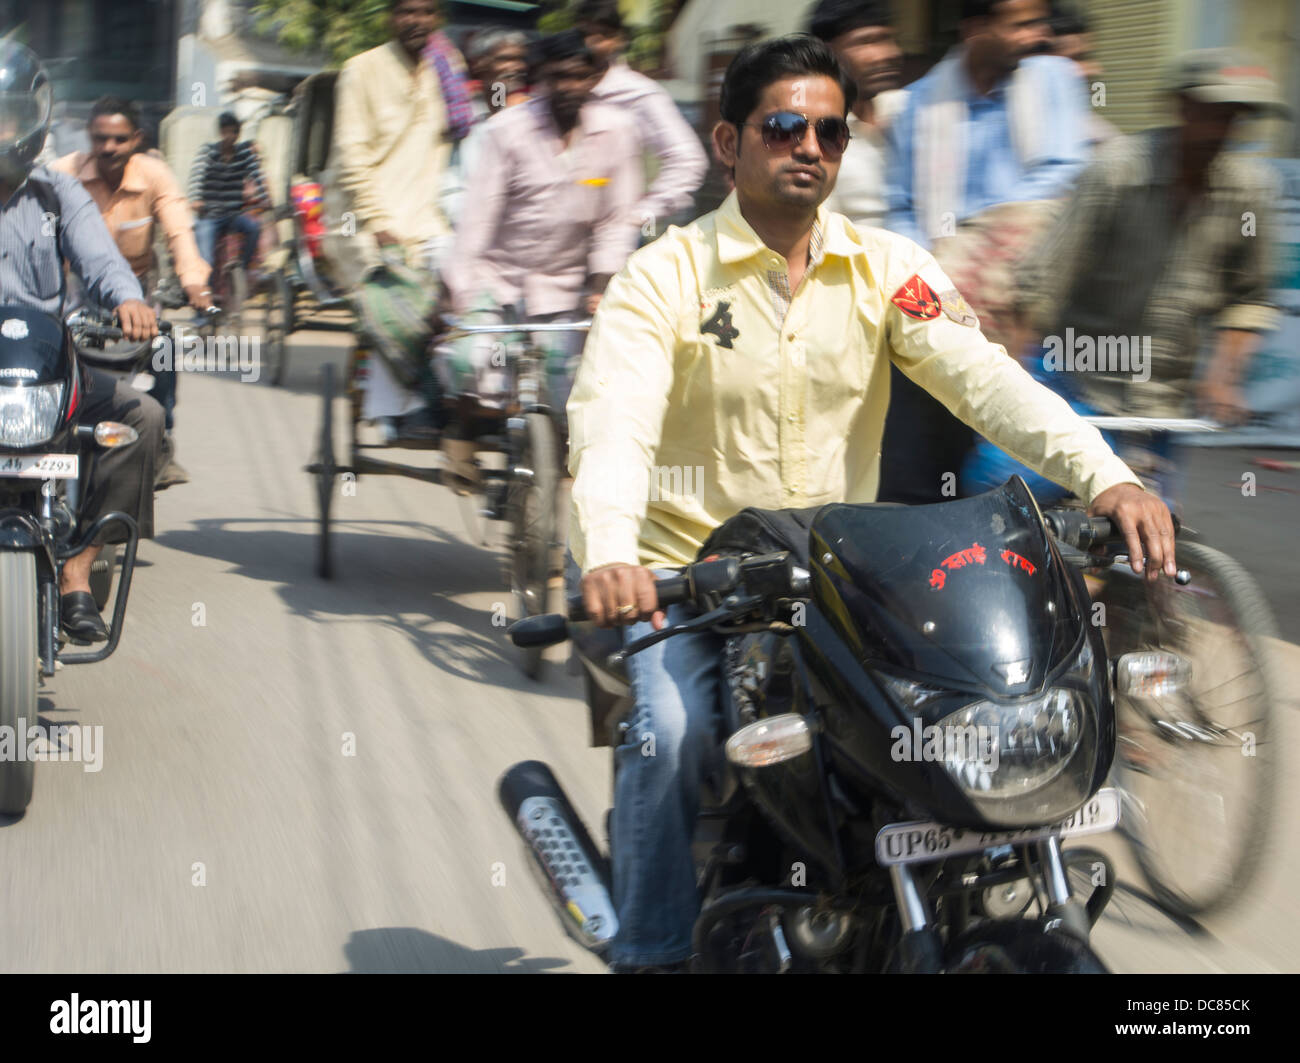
(662, 130)
(861, 35)
(390, 149)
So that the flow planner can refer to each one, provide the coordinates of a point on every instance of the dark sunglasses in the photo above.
(785, 129)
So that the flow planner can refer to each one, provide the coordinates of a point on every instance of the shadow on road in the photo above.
(404, 582)
(407, 950)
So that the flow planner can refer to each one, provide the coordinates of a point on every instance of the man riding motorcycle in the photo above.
(744, 361)
(134, 191)
(46, 217)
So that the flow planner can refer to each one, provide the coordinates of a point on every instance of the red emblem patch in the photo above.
(917, 299)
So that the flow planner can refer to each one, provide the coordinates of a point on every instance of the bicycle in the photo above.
(1195, 760)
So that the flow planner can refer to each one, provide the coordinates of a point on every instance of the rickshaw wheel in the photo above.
(277, 326)
(530, 509)
(325, 469)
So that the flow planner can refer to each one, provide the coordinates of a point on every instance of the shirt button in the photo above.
(789, 335)
(790, 418)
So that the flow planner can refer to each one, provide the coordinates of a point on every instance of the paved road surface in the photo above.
(229, 831)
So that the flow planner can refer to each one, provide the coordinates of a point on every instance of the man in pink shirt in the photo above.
(551, 216)
(661, 129)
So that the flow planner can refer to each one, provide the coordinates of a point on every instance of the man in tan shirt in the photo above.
(133, 190)
(386, 165)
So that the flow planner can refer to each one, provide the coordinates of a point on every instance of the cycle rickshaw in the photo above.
(520, 491)
(300, 292)
(517, 487)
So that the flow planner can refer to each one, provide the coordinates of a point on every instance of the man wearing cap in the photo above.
(1164, 230)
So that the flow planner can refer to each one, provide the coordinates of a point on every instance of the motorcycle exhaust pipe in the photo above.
(573, 873)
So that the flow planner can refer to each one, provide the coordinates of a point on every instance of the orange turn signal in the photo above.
(115, 434)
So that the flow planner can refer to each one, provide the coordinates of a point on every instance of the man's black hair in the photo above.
(568, 44)
(228, 120)
(978, 8)
(1068, 22)
(756, 66)
(116, 105)
(602, 13)
(832, 18)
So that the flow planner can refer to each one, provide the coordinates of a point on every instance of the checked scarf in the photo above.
(453, 78)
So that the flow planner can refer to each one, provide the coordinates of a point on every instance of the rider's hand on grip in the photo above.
(1146, 524)
(620, 594)
(137, 319)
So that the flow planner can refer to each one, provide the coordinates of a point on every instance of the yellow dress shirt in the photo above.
(706, 386)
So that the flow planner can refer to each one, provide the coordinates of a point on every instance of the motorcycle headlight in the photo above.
(1004, 751)
(29, 415)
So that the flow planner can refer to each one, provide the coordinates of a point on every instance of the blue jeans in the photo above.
(666, 751)
(208, 230)
(659, 767)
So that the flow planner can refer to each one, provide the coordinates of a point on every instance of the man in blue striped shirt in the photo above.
(218, 178)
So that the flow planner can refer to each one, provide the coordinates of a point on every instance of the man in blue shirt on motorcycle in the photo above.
(45, 218)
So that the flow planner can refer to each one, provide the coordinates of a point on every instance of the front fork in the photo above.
(920, 948)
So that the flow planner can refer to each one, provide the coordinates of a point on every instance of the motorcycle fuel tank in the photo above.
(33, 348)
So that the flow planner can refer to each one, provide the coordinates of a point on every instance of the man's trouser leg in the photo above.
(661, 763)
(205, 235)
(251, 231)
(123, 477)
(164, 392)
(563, 354)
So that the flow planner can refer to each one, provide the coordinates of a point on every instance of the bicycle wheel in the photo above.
(1197, 765)
(325, 470)
(530, 504)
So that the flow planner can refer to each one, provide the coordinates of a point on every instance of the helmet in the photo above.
(26, 98)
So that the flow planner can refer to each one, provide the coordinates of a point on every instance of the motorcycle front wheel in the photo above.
(18, 675)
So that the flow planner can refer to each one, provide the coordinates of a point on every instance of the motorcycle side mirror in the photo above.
(544, 630)
(111, 434)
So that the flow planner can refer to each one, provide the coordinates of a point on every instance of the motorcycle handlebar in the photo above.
(671, 590)
(705, 583)
(1076, 529)
(110, 333)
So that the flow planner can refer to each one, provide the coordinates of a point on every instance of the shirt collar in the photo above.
(400, 54)
(592, 118)
(132, 179)
(737, 240)
(968, 90)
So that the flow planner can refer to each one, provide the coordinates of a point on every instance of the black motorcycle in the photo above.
(46, 460)
(917, 712)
